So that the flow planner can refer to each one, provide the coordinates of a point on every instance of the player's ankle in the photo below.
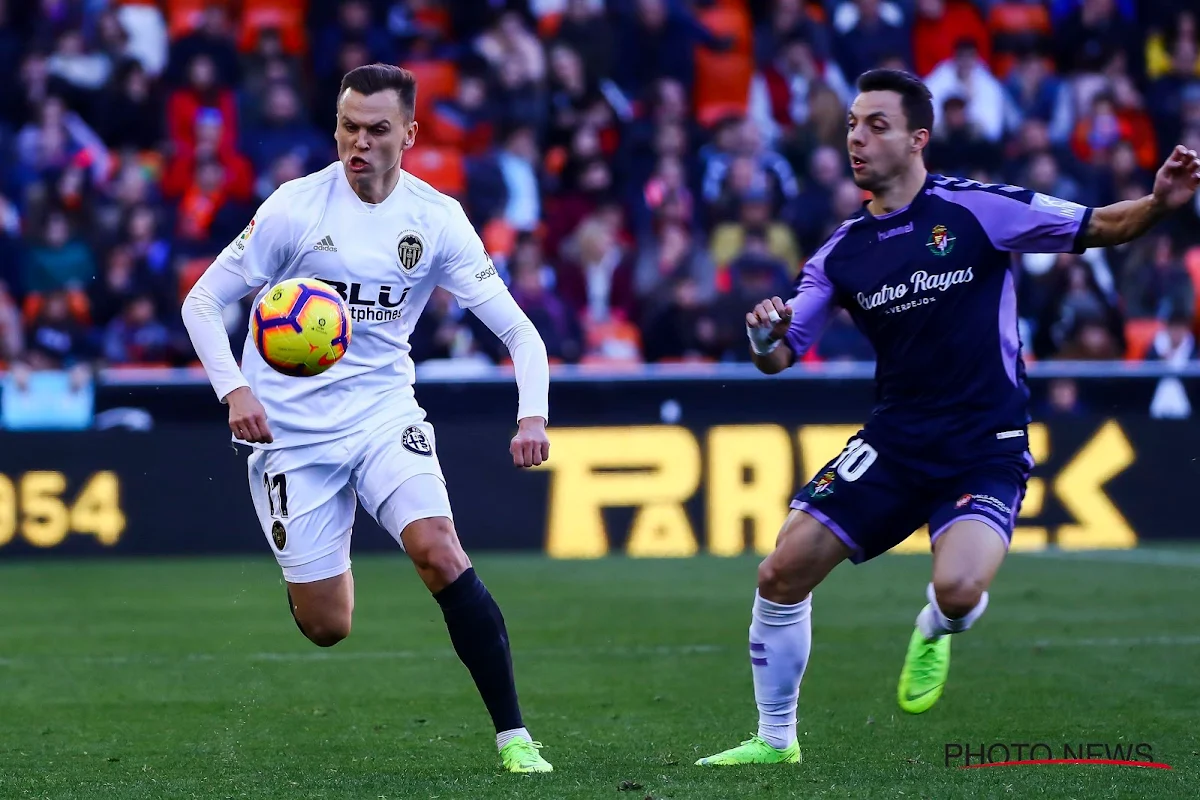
(778, 736)
(504, 737)
(934, 622)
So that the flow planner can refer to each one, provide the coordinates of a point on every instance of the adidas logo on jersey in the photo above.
(326, 245)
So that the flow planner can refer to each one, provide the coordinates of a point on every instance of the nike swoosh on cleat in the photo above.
(911, 696)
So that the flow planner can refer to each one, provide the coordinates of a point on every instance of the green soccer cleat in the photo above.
(754, 750)
(926, 666)
(522, 756)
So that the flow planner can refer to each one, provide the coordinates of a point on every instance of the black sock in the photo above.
(477, 631)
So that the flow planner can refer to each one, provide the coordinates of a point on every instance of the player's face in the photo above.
(373, 131)
(880, 145)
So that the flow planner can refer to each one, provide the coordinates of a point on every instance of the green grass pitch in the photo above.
(187, 679)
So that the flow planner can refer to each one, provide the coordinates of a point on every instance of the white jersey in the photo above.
(385, 260)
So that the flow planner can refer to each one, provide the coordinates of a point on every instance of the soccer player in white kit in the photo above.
(355, 433)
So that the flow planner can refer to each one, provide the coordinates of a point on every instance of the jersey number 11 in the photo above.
(278, 484)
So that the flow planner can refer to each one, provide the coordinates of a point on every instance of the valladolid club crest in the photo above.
(822, 486)
(410, 248)
(941, 241)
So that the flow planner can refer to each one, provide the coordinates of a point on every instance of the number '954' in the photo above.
(44, 510)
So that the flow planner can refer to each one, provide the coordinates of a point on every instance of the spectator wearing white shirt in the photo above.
(967, 76)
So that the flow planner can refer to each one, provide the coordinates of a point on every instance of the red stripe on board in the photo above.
(1108, 761)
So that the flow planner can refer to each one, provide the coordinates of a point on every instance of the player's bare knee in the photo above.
(958, 594)
(433, 546)
(782, 582)
(326, 630)
(446, 560)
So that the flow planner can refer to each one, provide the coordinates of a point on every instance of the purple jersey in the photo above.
(932, 286)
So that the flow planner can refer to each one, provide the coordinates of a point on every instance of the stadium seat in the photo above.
(435, 80)
(1191, 260)
(189, 273)
(184, 15)
(435, 18)
(1014, 26)
(77, 303)
(285, 15)
(722, 80)
(443, 168)
(1139, 333)
(611, 343)
(548, 25)
(499, 238)
(555, 160)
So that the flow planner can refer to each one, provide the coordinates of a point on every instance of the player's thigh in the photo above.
(419, 513)
(393, 457)
(972, 527)
(305, 505)
(867, 499)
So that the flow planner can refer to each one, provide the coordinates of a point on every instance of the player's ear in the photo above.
(410, 135)
(920, 138)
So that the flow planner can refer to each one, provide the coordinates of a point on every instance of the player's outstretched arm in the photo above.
(767, 326)
(1174, 185)
(217, 288)
(530, 447)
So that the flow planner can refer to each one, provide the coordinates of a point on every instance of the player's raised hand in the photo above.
(1178, 178)
(530, 447)
(247, 417)
(770, 317)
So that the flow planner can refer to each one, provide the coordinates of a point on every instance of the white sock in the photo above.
(504, 737)
(780, 641)
(933, 623)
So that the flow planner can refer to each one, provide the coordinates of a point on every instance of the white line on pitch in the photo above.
(1132, 641)
(636, 651)
(1165, 558)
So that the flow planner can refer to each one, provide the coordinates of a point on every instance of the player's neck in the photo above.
(900, 193)
(374, 189)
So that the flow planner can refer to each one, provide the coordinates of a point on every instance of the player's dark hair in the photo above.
(915, 98)
(375, 78)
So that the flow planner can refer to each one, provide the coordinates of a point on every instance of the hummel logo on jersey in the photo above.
(326, 245)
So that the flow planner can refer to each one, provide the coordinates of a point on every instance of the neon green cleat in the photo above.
(754, 750)
(926, 666)
(521, 755)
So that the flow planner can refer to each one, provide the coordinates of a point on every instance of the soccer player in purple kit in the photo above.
(925, 271)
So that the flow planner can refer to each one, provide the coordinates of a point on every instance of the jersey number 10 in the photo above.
(855, 460)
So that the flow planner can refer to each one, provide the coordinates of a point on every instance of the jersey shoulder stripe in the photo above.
(1016, 219)
(952, 184)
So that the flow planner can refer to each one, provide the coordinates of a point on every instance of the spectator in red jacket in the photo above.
(211, 143)
(202, 92)
(940, 24)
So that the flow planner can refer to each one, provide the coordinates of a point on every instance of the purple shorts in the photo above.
(873, 502)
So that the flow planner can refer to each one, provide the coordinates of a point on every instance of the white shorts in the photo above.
(306, 496)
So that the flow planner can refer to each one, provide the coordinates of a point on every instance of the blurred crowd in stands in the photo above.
(642, 171)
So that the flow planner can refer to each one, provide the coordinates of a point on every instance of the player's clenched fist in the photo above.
(767, 324)
(247, 417)
(530, 447)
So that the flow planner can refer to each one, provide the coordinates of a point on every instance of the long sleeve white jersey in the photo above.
(385, 260)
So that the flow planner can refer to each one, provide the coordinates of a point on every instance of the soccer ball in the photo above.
(301, 327)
